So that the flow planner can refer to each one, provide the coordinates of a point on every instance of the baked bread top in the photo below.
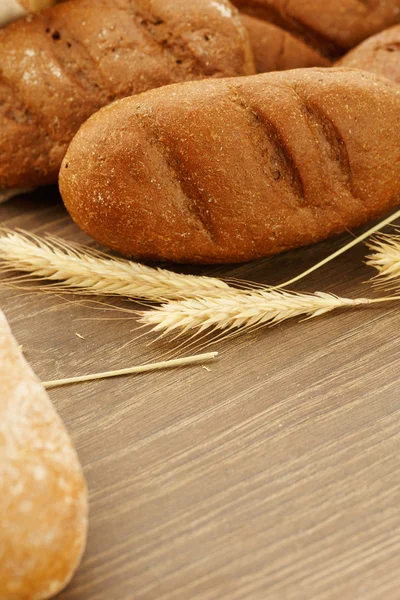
(330, 27)
(60, 66)
(379, 54)
(235, 169)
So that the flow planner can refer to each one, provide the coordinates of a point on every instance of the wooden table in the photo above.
(272, 474)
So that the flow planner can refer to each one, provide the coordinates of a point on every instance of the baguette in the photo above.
(327, 29)
(61, 65)
(43, 496)
(379, 54)
(236, 169)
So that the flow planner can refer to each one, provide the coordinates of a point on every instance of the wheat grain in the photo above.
(82, 268)
(386, 259)
(242, 310)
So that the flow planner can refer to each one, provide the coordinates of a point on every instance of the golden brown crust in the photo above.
(61, 65)
(43, 496)
(232, 170)
(379, 54)
(275, 49)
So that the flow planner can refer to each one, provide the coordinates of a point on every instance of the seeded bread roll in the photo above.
(43, 497)
(60, 66)
(236, 169)
(379, 54)
(327, 28)
(275, 49)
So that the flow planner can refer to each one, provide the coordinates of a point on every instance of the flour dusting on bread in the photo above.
(43, 495)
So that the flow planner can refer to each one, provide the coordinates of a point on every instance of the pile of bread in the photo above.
(223, 166)
(168, 146)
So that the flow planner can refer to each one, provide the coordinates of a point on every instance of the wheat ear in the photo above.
(84, 269)
(242, 310)
(385, 258)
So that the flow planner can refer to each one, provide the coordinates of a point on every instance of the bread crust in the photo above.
(275, 49)
(332, 27)
(311, 33)
(43, 496)
(236, 169)
(61, 65)
(379, 54)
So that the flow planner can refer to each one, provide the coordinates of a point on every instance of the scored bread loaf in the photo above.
(61, 65)
(236, 169)
(43, 496)
(379, 54)
(328, 29)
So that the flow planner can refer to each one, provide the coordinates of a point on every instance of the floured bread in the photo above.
(43, 496)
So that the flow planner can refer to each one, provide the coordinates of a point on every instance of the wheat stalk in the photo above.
(168, 364)
(343, 249)
(71, 266)
(84, 269)
(243, 310)
(385, 259)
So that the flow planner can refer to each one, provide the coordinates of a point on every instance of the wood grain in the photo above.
(271, 475)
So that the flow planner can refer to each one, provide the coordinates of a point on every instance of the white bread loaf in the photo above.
(43, 495)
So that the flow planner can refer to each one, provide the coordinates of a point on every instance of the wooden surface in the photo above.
(271, 475)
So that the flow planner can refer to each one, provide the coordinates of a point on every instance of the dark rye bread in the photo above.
(60, 66)
(328, 28)
(379, 54)
(236, 169)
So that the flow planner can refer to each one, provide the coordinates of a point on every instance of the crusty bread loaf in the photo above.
(60, 66)
(9, 11)
(232, 170)
(43, 497)
(275, 49)
(379, 54)
(327, 28)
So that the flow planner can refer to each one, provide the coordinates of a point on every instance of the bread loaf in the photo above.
(275, 49)
(233, 170)
(379, 54)
(328, 29)
(63, 64)
(9, 11)
(43, 497)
